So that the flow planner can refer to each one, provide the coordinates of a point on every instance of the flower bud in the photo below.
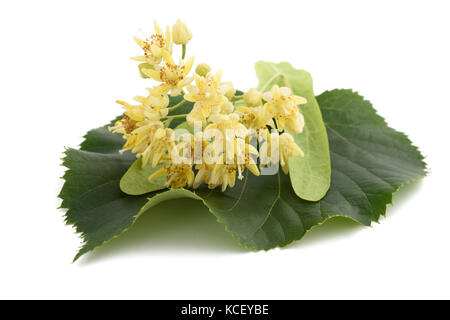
(227, 108)
(202, 69)
(227, 89)
(144, 66)
(181, 33)
(252, 98)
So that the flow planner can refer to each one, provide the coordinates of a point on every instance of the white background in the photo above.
(64, 63)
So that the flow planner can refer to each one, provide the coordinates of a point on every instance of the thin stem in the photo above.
(177, 116)
(184, 51)
(238, 102)
(175, 107)
(237, 98)
(167, 122)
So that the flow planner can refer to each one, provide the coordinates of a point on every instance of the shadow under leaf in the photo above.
(166, 228)
(337, 227)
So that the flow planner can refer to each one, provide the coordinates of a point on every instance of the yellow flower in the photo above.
(177, 175)
(282, 106)
(288, 148)
(178, 171)
(134, 112)
(225, 151)
(197, 114)
(249, 153)
(124, 126)
(208, 94)
(254, 117)
(155, 46)
(203, 174)
(202, 69)
(265, 147)
(184, 150)
(152, 107)
(181, 33)
(227, 89)
(162, 143)
(157, 98)
(229, 131)
(294, 122)
(206, 89)
(224, 174)
(141, 136)
(202, 113)
(252, 98)
(224, 122)
(230, 152)
(171, 75)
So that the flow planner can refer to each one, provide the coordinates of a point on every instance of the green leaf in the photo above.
(369, 161)
(310, 175)
(96, 206)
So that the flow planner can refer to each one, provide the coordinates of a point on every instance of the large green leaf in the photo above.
(97, 207)
(310, 175)
(369, 162)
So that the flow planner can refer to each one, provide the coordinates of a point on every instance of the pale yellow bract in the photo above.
(216, 109)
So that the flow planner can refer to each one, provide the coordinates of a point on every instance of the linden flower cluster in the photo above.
(221, 150)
